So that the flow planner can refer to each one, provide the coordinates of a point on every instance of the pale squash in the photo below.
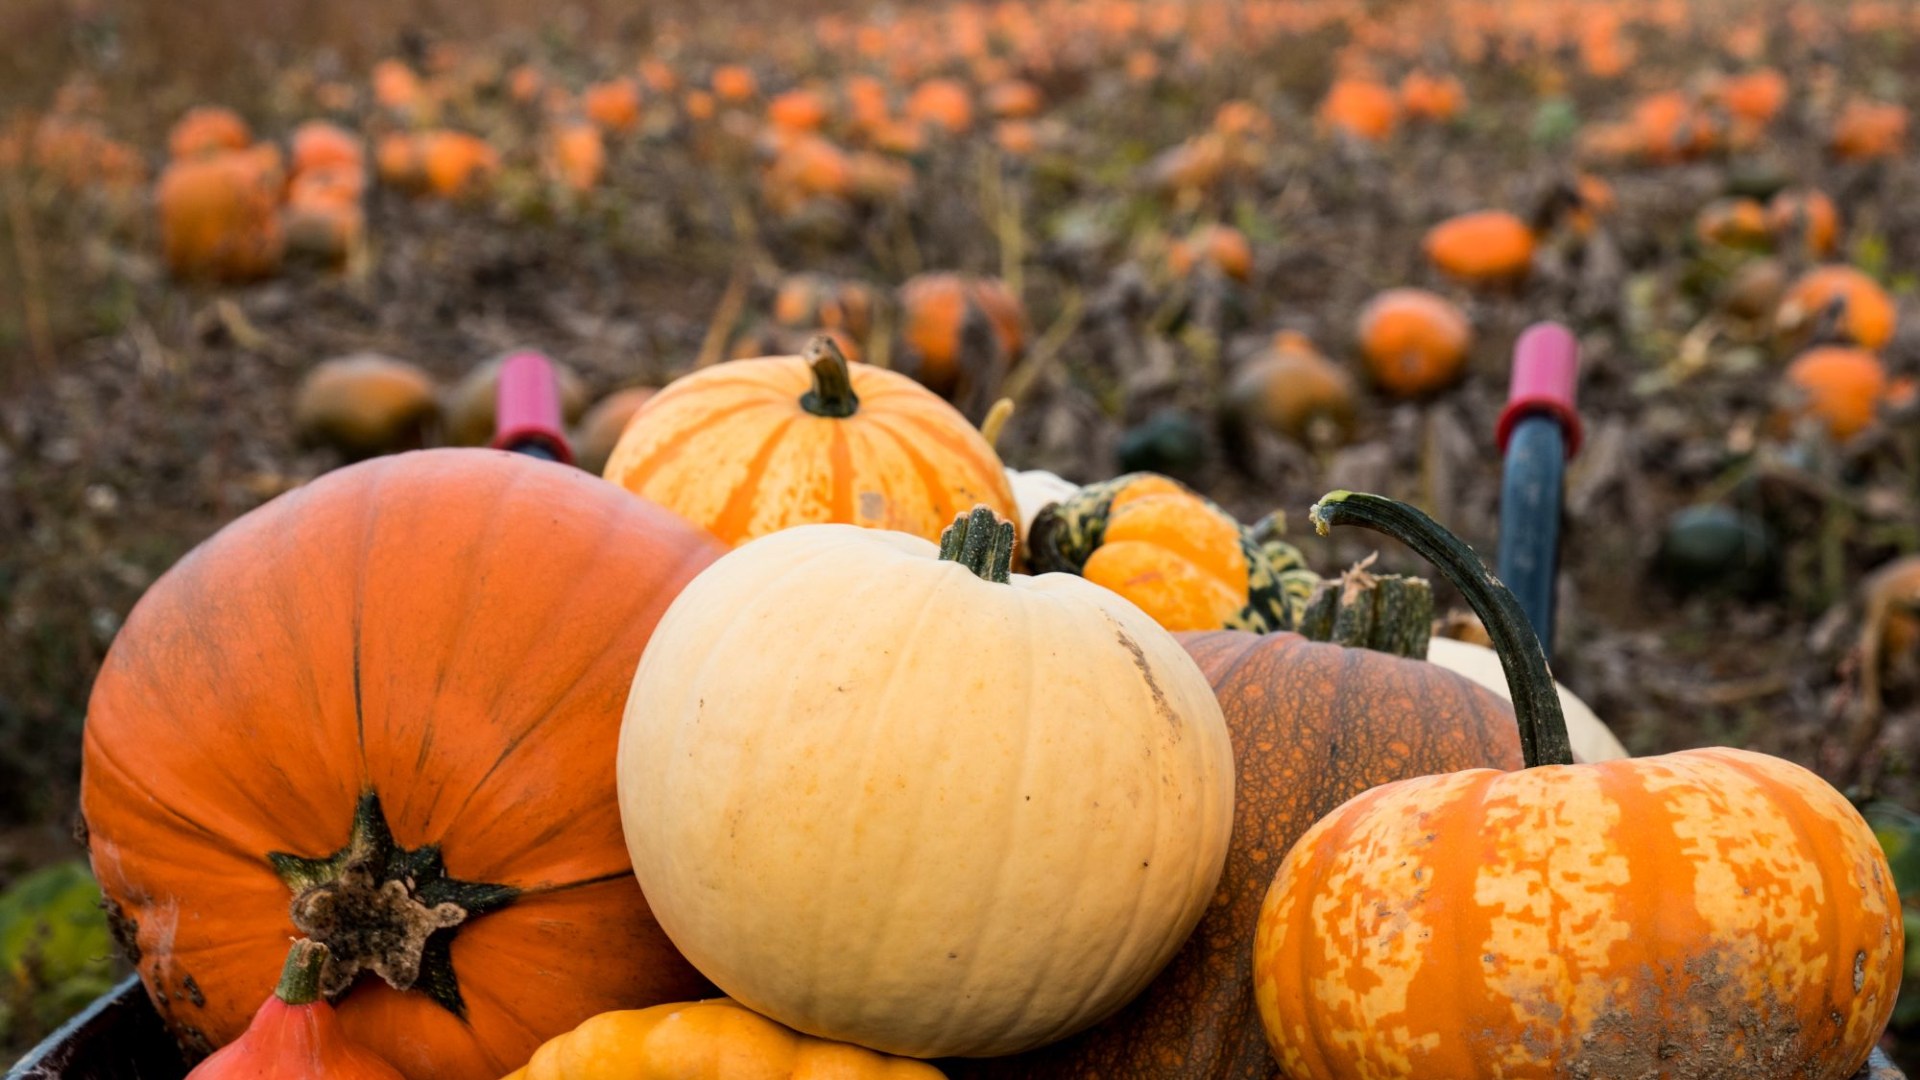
(891, 794)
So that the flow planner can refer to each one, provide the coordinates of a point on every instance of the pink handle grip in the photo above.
(528, 408)
(1546, 376)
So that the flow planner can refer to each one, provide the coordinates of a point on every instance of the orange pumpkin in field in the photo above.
(734, 84)
(1361, 109)
(1868, 130)
(363, 713)
(1808, 215)
(1839, 386)
(456, 164)
(318, 144)
(749, 447)
(576, 155)
(1733, 222)
(220, 215)
(1756, 96)
(1866, 315)
(798, 111)
(207, 129)
(943, 104)
(1014, 99)
(1414, 342)
(613, 106)
(807, 301)
(960, 333)
(323, 215)
(1221, 247)
(1431, 97)
(1486, 247)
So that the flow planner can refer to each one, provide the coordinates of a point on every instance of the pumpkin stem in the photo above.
(832, 394)
(996, 421)
(982, 543)
(1536, 703)
(1363, 610)
(300, 979)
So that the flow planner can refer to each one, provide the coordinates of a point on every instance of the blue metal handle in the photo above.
(1530, 494)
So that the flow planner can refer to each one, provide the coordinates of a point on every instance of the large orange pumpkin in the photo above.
(750, 447)
(1313, 724)
(380, 712)
(1712, 913)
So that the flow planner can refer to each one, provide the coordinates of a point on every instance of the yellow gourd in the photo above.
(706, 1040)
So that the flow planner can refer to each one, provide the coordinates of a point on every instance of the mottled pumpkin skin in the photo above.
(732, 449)
(452, 630)
(715, 1040)
(1312, 726)
(1708, 915)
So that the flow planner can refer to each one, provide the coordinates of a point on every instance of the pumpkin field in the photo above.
(564, 542)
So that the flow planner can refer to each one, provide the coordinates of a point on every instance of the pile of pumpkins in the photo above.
(782, 769)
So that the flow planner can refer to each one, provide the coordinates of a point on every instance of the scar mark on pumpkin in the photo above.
(1153, 685)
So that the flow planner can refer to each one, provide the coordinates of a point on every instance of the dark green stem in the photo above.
(300, 979)
(982, 543)
(832, 394)
(1536, 702)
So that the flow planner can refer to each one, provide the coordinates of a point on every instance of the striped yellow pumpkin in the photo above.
(750, 447)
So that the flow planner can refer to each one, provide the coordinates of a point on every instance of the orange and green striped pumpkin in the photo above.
(750, 447)
(1713, 913)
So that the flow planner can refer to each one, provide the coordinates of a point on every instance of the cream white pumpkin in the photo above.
(883, 799)
(1592, 740)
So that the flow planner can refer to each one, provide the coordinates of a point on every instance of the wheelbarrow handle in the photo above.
(1538, 432)
(527, 413)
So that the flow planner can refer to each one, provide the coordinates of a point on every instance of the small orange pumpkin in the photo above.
(1733, 222)
(576, 155)
(456, 164)
(318, 144)
(1360, 108)
(1293, 389)
(613, 105)
(364, 405)
(1868, 130)
(1756, 96)
(960, 333)
(220, 215)
(1485, 247)
(807, 301)
(1014, 99)
(1839, 386)
(1866, 311)
(749, 447)
(943, 104)
(207, 129)
(1807, 214)
(734, 84)
(1438, 98)
(396, 86)
(1414, 342)
(798, 111)
(1222, 247)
